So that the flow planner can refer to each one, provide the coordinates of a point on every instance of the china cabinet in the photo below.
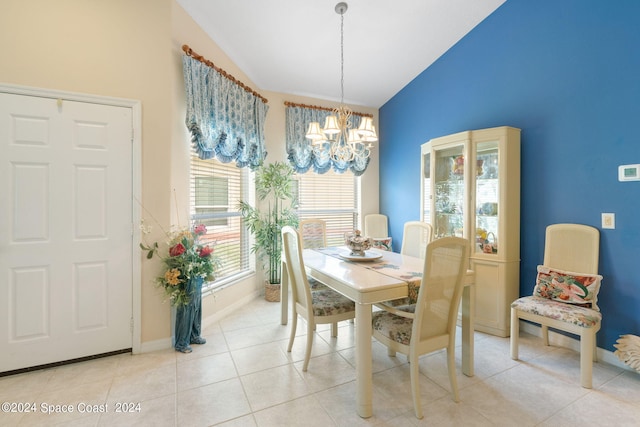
(471, 188)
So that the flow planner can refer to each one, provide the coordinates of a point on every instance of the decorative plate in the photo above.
(371, 256)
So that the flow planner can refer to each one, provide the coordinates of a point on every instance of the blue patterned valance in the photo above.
(225, 120)
(301, 152)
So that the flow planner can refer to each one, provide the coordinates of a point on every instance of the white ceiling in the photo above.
(293, 46)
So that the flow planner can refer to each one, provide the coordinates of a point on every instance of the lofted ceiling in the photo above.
(293, 46)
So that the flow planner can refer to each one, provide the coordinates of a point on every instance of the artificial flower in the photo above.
(187, 258)
(177, 250)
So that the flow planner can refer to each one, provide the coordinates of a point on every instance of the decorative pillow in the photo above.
(566, 286)
(383, 243)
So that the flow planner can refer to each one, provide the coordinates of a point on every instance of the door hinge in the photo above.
(131, 325)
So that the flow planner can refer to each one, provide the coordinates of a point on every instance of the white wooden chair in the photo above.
(313, 233)
(315, 306)
(415, 237)
(430, 324)
(565, 295)
(376, 226)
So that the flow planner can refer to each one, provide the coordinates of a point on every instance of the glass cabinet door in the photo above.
(487, 198)
(425, 199)
(449, 194)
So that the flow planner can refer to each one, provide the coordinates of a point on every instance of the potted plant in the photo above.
(277, 208)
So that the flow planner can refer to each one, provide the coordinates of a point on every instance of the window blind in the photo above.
(332, 197)
(216, 188)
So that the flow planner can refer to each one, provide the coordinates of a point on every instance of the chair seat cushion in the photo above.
(382, 243)
(315, 284)
(570, 313)
(327, 302)
(396, 328)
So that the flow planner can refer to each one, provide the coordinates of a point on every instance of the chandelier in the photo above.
(338, 137)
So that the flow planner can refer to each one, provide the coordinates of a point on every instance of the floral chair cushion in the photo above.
(570, 313)
(395, 327)
(327, 302)
(315, 284)
(382, 243)
(568, 287)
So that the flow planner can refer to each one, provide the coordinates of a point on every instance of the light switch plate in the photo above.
(609, 220)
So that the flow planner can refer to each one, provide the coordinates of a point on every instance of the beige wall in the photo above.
(117, 48)
(132, 49)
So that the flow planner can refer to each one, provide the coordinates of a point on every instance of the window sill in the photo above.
(216, 286)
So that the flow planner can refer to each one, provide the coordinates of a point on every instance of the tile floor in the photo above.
(244, 376)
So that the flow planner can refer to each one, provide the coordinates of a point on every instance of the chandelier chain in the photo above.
(342, 58)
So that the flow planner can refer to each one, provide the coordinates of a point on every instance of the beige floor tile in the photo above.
(588, 412)
(445, 412)
(158, 412)
(71, 404)
(205, 370)
(260, 357)
(273, 387)
(434, 367)
(245, 421)
(624, 387)
(24, 387)
(248, 337)
(522, 395)
(326, 371)
(144, 385)
(212, 404)
(305, 411)
(244, 377)
(318, 348)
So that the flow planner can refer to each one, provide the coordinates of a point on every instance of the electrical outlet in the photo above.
(609, 220)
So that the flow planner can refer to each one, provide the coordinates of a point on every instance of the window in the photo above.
(216, 188)
(331, 196)
(211, 197)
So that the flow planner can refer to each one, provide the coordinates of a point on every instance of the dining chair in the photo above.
(376, 226)
(565, 295)
(430, 324)
(313, 233)
(415, 237)
(320, 306)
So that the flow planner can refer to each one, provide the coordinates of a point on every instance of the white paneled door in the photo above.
(65, 230)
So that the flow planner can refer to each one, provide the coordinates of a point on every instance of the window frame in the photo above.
(239, 187)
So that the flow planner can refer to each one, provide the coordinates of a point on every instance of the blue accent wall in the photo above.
(566, 72)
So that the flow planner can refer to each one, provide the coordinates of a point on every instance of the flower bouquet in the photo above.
(187, 259)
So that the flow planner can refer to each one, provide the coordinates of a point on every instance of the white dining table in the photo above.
(387, 278)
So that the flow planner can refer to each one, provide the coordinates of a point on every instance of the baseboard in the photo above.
(165, 343)
(560, 340)
(156, 345)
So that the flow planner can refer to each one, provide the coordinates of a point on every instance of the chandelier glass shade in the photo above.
(339, 137)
